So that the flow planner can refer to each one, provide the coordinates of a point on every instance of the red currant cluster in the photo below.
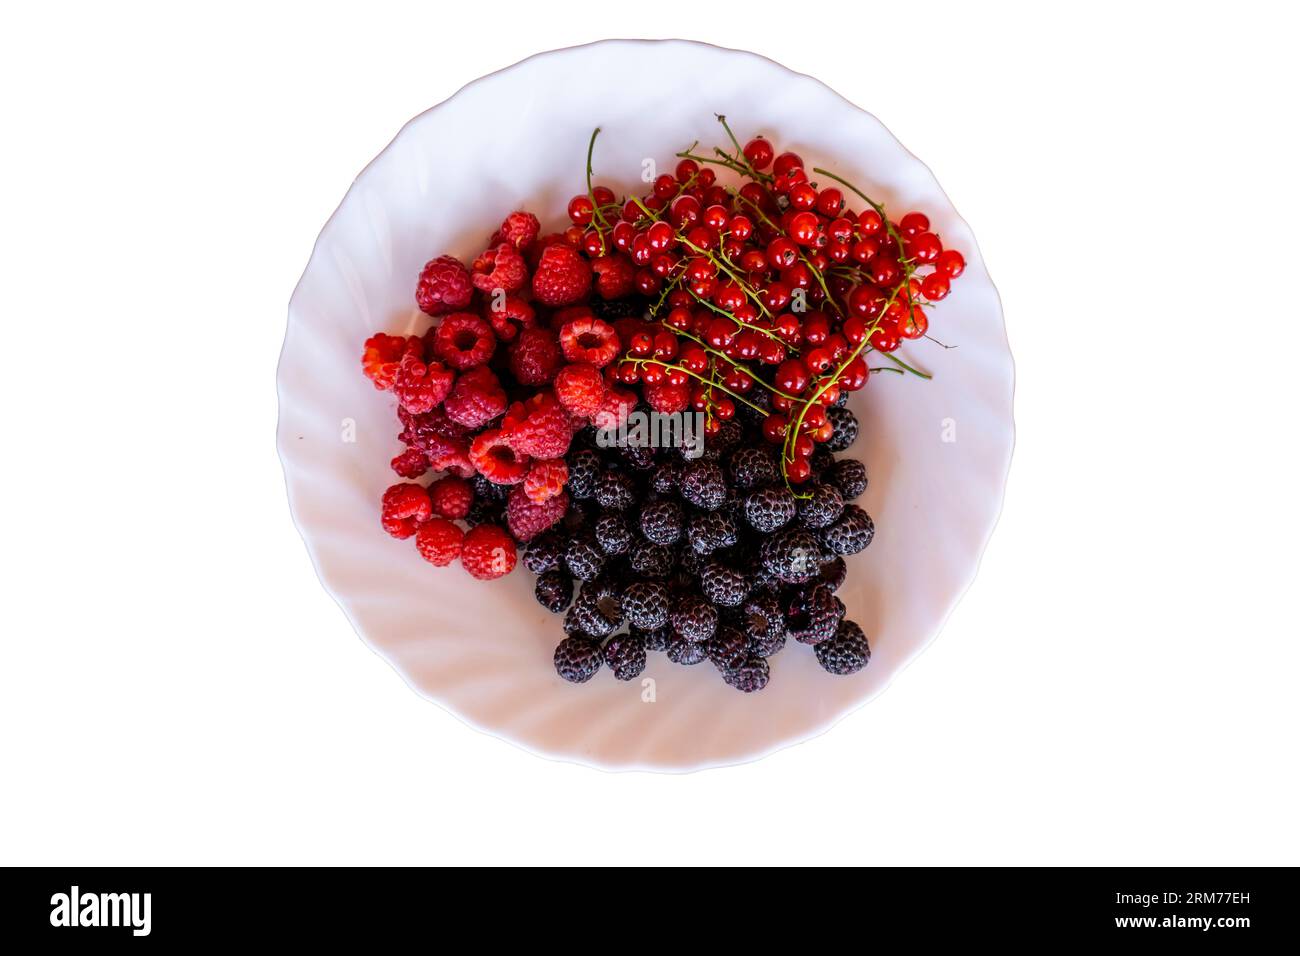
(770, 292)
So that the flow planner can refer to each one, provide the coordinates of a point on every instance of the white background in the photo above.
(1118, 687)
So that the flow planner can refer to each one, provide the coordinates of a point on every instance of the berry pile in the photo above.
(714, 558)
(752, 296)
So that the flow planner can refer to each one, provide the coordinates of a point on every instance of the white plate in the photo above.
(516, 139)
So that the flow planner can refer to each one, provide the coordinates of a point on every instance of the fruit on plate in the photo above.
(741, 300)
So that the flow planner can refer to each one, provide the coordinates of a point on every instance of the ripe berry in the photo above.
(782, 253)
(450, 497)
(913, 224)
(580, 389)
(935, 286)
(419, 387)
(759, 153)
(535, 356)
(382, 356)
(444, 286)
(951, 263)
(562, 276)
(804, 228)
(539, 427)
(626, 656)
(578, 658)
(588, 339)
(488, 552)
(830, 202)
(499, 267)
(464, 340)
(476, 399)
(439, 542)
(496, 460)
(784, 164)
(405, 507)
(847, 653)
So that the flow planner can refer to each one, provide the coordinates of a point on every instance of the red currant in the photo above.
(934, 286)
(782, 253)
(869, 222)
(792, 376)
(783, 164)
(660, 236)
(854, 375)
(804, 228)
(665, 187)
(758, 153)
(803, 196)
(913, 224)
(923, 247)
(950, 263)
(685, 211)
(915, 324)
(830, 202)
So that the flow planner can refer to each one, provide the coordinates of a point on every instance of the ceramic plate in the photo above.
(937, 452)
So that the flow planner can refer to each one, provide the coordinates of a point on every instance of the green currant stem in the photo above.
(904, 366)
(740, 152)
(880, 210)
(745, 286)
(595, 210)
(654, 216)
(887, 368)
(735, 193)
(817, 274)
(698, 378)
(938, 343)
(793, 429)
(749, 292)
(744, 325)
(727, 162)
(730, 361)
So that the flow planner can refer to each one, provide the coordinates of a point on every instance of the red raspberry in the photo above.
(580, 389)
(615, 275)
(410, 464)
(476, 398)
(545, 480)
(667, 399)
(488, 552)
(520, 229)
(439, 542)
(562, 277)
(432, 433)
(405, 508)
(527, 518)
(463, 340)
(455, 460)
(535, 358)
(495, 460)
(538, 428)
(510, 311)
(451, 497)
(618, 404)
(589, 340)
(383, 357)
(534, 252)
(419, 387)
(444, 286)
(500, 267)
